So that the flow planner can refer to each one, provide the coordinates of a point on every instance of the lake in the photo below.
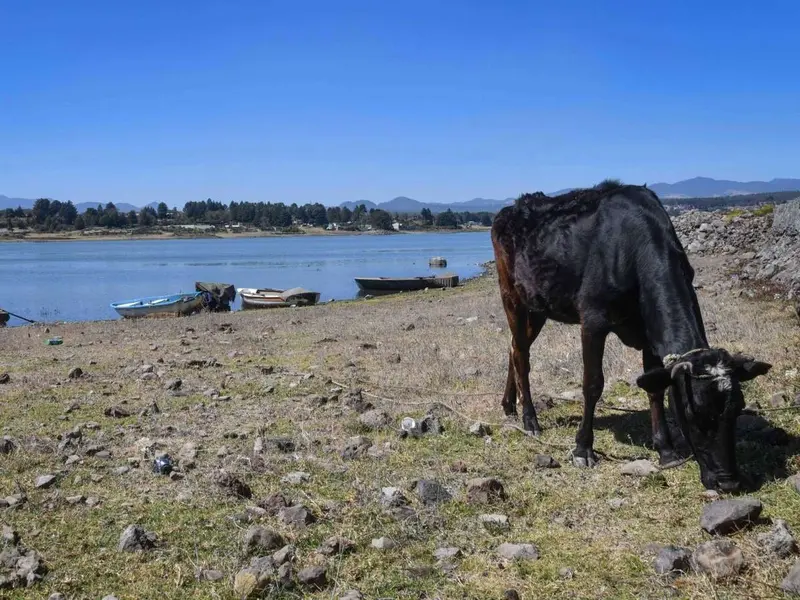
(76, 281)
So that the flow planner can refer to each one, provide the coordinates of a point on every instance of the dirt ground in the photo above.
(268, 393)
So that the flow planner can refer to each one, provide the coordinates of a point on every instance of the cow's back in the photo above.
(562, 250)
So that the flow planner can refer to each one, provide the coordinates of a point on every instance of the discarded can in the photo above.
(163, 465)
(54, 341)
(410, 425)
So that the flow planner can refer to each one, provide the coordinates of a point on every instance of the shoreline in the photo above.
(487, 270)
(168, 235)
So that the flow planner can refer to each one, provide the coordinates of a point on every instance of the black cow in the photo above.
(608, 258)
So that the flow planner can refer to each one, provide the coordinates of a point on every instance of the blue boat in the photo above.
(175, 304)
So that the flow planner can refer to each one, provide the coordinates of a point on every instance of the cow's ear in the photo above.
(747, 368)
(655, 381)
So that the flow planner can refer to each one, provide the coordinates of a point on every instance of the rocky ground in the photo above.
(759, 249)
(261, 454)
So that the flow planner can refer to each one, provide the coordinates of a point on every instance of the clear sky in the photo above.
(334, 100)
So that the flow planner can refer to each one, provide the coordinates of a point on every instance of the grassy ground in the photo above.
(598, 523)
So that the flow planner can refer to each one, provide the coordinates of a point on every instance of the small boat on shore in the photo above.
(4, 316)
(175, 304)
(405, 284)
(272, 298)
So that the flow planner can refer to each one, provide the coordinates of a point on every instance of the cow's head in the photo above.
(706, 398)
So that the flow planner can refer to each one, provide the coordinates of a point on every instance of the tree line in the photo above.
(52, 215)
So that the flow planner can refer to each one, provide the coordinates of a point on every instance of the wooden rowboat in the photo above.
(405, 284)
(272, 298)
(175, 304)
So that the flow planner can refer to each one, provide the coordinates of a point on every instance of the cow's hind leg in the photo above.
(509, 401)
(593, 343)
(532, 328)
(662, 440)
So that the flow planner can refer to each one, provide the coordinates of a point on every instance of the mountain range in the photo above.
(697, 187)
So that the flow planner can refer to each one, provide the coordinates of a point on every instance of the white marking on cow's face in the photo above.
(721, 374)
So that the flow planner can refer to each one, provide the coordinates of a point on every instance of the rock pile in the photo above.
(762, 247)
(19, 566)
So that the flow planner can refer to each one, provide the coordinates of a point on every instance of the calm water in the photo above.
(75, 281)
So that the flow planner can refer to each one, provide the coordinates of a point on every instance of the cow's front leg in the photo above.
(593, 343)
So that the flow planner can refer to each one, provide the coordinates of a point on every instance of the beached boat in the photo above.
(4, 316)
(405, 284)
(175, 304)
(271, 298)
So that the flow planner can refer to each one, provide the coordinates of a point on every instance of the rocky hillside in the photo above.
(759, 246)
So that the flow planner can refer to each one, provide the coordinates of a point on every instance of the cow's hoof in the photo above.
(583, 462)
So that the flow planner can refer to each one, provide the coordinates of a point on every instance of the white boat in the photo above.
(175, 304)
(272, 298)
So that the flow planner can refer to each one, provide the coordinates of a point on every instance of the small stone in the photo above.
(209, 575)
(352, 595)
(258, 539)
(459, 466)
(336, 545)
(566, 573)
(447, 553)
(432, 492)
(10, 535)
(494, 521)
(273, 504)
(518, 551)
(173, 385)
(296, 477)
(16, 499)
(76, 499)
(187, 456)
(252, 582)
(617, 503)
(511, 595)
(116, 412)
(176, 475)
(56, 596)
(110, 597)
(92, 501)
(44, 481)
(480, 429)
(794, 481)
(284, 555)
(485, 490)
(122, 470)
(383, 543)
(296, 516)
(719, 558)
(673, 558)
(233, 485)
(374, 419)
(779, 540)
(638, 468)
(356, 447)
(545, 461)
(313, 577)
(75, 373)
(724, 516)
(7, 445)
(285, 574)
(791, 583)
(392, 496)
(71, 460)
(5, 378)
(135, 539)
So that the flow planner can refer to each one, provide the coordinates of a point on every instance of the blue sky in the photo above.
(319, 100)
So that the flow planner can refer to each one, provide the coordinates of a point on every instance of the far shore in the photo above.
(76, 236)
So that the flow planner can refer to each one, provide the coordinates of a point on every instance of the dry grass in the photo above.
(447, 356)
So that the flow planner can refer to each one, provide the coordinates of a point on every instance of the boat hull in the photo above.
(404, 284)
(272, 298)
(174, 305)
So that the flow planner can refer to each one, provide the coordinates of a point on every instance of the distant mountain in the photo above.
(705, 187)
(6, 202)
(402, 204)
(122, 207)
(352, 205)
